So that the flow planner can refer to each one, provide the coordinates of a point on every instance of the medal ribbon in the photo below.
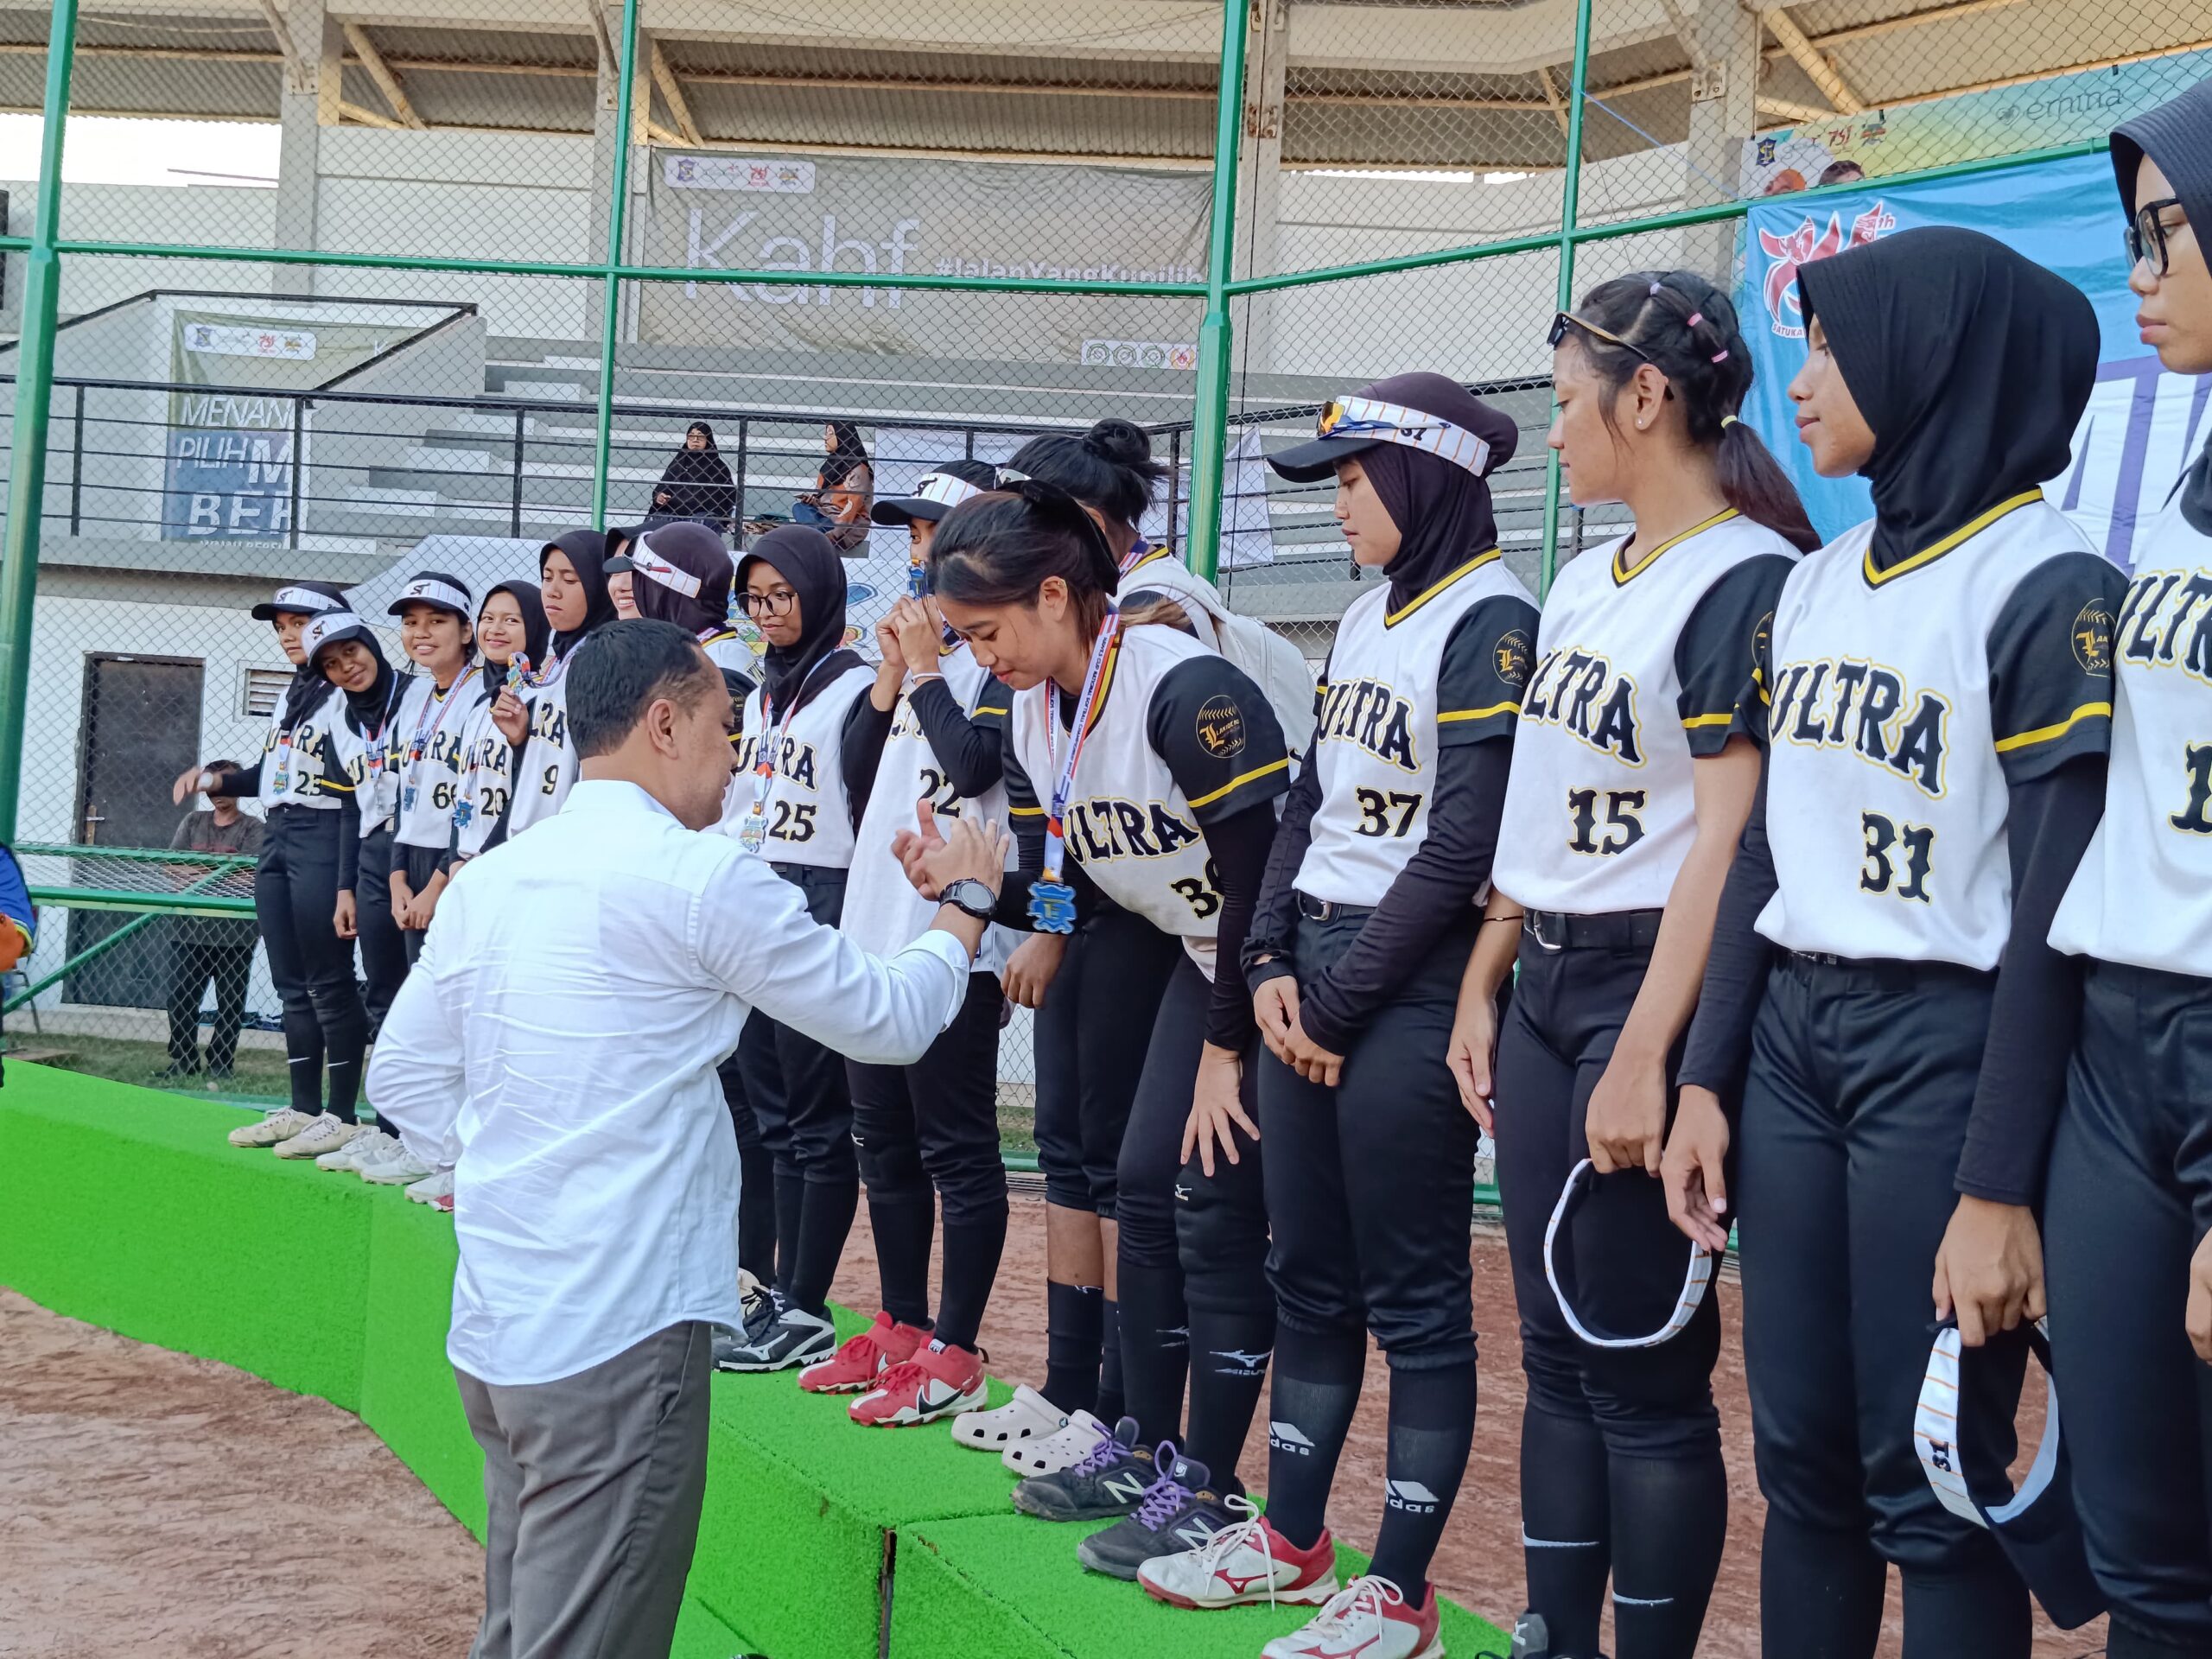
(764, 765)
(1087, 704)
(444, 703)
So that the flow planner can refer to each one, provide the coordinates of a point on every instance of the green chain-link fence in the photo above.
(310, 295)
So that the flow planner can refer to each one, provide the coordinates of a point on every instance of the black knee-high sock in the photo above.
(756, 1213)
(1670, 1518)
(1110, 1398)
(1566, 1526)
(1316, 1392)
(1979, 1606)
(1432, 1426)
(1821, 1591)
(973, 1245)
(825, 1222)
(303, 1052)
(791, 1205)
(1229, 1369)
(903, 1223)
(1155, 1350)
(1073, 1332)
(345, 1038)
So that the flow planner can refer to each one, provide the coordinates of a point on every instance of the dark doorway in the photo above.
(140, 727)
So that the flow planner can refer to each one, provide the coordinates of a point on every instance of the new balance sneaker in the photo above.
(1028, 1416)
(280, 1125)
(1247, 1562)
(325, 1134)
(936, 1382)
(437, 1186)
(1181, 1511)
(395, 1167)
(361, 1151)
(1110, 1480)
(1057, 1451)
(854, 1368)
(794, 1337)
(1367, 1620)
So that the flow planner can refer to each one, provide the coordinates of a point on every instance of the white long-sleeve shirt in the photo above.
(560, 1033)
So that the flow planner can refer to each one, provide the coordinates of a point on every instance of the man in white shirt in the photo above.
(558, 1039)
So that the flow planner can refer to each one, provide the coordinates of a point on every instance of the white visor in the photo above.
(1693, 1282)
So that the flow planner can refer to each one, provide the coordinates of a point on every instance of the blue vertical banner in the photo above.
(2143, 425)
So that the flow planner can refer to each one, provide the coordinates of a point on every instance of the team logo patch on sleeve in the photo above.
(1512, 654)
(2093, 632)
(1220, 728)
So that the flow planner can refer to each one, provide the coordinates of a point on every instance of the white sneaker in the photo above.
(439, 1185)
(1063, 1450)
(1243, 1564)
(325, 1134)
(280, 1125)
(399, 1168)
(1369, 1619)
(1028, 1416)
(358, 1153)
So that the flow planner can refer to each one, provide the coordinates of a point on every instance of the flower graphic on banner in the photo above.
(1790, 254)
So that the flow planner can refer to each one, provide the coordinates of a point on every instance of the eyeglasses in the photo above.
(1560, 321)
(2146, 234)
(776, 604)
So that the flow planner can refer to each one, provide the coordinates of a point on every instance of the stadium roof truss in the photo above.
(1365, 83)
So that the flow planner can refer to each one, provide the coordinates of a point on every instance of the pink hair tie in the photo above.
(1720, 356)
(1696, 317)
(1655, 287)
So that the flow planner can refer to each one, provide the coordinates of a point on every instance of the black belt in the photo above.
(1616, 930)
(1885, 973)
(1327, 910)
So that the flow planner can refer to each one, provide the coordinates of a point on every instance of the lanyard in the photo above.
(764, 764)
(1086, 711)
(443, 701)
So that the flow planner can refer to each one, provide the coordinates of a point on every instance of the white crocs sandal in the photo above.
(1028, 1416)
(1064, 1450)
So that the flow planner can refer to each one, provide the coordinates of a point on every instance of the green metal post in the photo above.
(610, 311)
(34, 393)
(1570, 203)
(1209, 418)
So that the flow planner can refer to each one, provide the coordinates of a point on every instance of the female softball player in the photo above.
(532, 711)
(1155, 784)
(791, 802)
(681, 573)
(424, 745)
(1939, 706)
(512, 631)
(302, 790)
(2131, 1170)
(1356, 955)
(1632, 778)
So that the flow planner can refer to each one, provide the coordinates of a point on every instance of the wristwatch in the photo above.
(969, 897)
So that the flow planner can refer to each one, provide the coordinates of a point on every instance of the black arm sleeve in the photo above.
(1274, 929)
(861, 750)
(1718, 1048)
(2037, 1002)
(349, 845)
(967, 748)
(1239, 846)
(237, 782)
(1433, 893)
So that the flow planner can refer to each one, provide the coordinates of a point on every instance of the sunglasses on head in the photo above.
(2147, 235)
(1562, 319)
(1338, 420)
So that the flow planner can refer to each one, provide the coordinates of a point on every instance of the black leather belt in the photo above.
(1876, 974)
(1327, 910)
(1616, 930)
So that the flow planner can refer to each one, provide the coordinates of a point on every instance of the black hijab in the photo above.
(1442, 510)
(1971, 364)
(367, 711)
(2177, 136)
(697, 552)
(804, 557)
(536, 632)
(587, 550)
(697, 482)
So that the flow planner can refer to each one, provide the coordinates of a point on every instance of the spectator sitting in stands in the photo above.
(205, 948)
(696, 484)
(843, 490)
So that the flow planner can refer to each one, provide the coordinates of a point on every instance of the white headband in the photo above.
(429, 590)
(1693, 1282)
(651, 564)
(318, 630)
(946, 489)
(1367, 417)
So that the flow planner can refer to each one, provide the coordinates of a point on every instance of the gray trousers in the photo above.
(593, 1484)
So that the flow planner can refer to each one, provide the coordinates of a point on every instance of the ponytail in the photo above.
(1110, 468)
(1687, 328)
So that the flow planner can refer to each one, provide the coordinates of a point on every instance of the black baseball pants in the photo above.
(384, 956)
(2130, 1199)
(1854, 1113)
(294, 903)
(420, 864)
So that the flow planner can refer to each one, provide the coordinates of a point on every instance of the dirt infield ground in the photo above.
(152, 1503)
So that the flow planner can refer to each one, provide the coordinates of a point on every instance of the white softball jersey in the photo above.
(807, 814)
(2143, 894)
(1182, 738)
(883, 914)
(1644, 664)
(425, 744)
(1446, 667)
(305, 766)
(545, 766)
(1160, 572)
(487, 782)
(1904, 703)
